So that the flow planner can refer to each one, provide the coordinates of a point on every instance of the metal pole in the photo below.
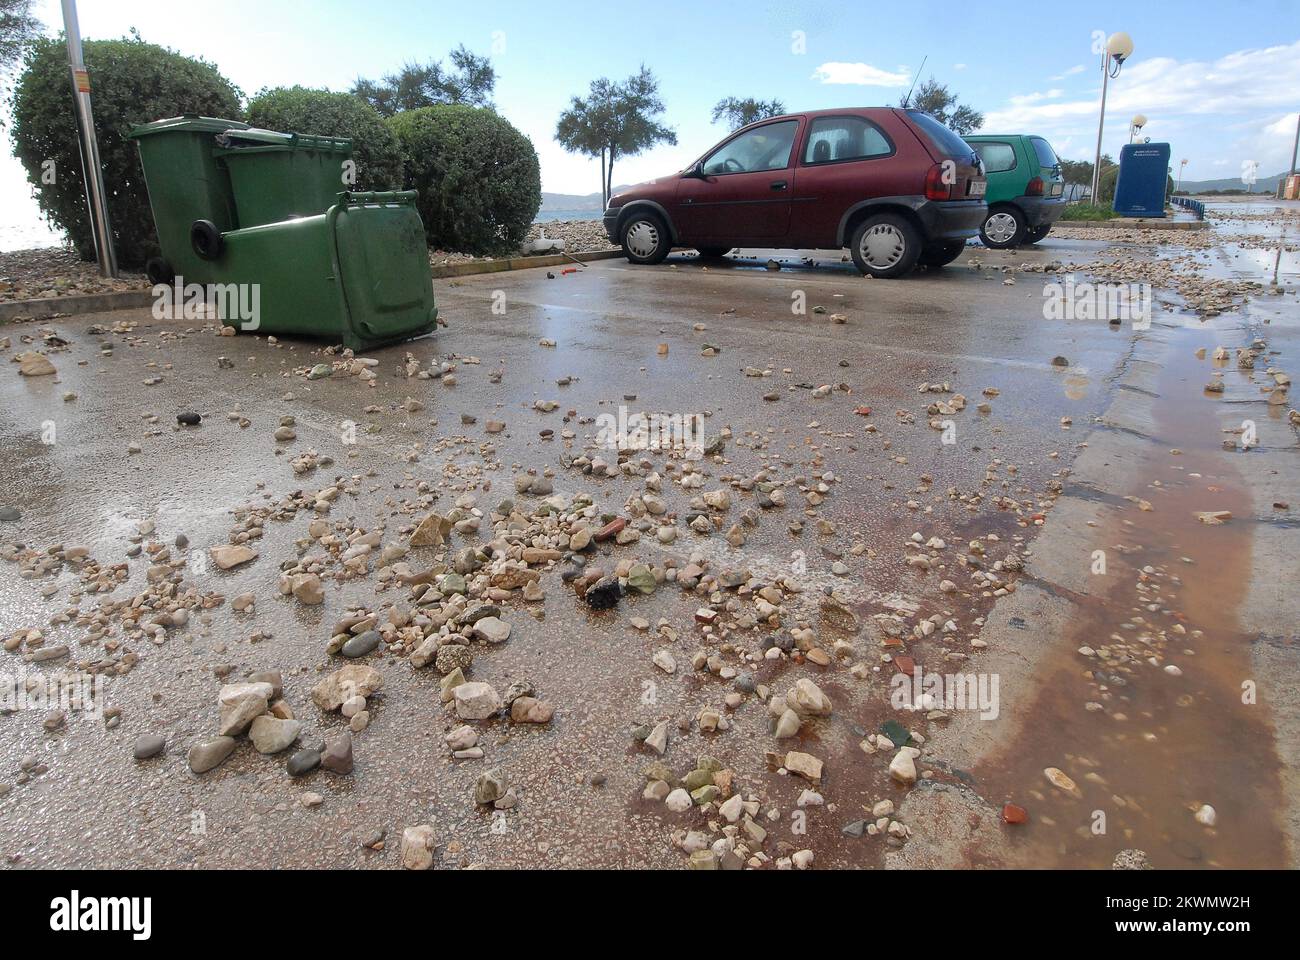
(91, 170)
(1096, 164)
(1295, 149)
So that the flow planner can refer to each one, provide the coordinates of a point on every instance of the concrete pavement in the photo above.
(1060, 449)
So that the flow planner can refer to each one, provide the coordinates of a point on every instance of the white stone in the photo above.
(476, 701)
(678, 801)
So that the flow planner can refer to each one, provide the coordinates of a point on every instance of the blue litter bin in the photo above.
(1143, 176)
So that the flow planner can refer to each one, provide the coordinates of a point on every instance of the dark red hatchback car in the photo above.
(895, 186)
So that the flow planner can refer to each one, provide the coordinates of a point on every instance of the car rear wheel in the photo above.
(1004, 227)
(645, 238)
(713, 253)
(1038, 233)
(942, 254)
(885, 246)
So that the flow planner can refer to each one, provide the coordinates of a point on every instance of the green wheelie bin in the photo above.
(357, 274)
(276, 176)
(186, 183)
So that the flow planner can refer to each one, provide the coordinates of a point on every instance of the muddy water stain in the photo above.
(1161, 745)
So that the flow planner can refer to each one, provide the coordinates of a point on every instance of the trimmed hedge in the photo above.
(329, 114)
(132, 82)
(478, 177)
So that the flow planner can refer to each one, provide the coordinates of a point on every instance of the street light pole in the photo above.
(1118, 48)
(1296, 148)
(1101, 123)
(91, 170)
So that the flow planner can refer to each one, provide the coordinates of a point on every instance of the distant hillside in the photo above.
(1262, 185)
(573, 201)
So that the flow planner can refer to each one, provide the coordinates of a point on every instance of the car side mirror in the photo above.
(695, 172)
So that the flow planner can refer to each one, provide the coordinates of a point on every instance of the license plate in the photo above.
(1056, 189)
(975, 188)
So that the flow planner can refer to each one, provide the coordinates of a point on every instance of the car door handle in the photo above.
(689, 200)
(779, 184)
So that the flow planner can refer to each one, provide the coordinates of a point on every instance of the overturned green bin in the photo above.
(357, 274)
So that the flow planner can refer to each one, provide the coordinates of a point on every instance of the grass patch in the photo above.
(1086, 211)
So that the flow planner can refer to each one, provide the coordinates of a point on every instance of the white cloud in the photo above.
(861, 74)
(1248, 79)
(1247, 91)
(959, 66)
(1023, 99)
(1077, 68)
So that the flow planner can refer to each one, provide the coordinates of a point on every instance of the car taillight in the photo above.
(1035, 187)
(935, 188)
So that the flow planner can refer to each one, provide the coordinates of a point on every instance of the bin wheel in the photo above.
(206, 239)
(159, 271)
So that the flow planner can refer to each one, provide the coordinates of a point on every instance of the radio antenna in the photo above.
(908, 99)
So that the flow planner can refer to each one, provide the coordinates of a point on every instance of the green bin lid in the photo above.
(187, 123)
(251, 138)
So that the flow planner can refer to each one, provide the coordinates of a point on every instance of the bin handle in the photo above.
(353, 197)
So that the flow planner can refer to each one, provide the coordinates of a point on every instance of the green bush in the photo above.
(478, 177)
(1085, 211)
(132, 82)
(1106, 188)
(329, 114)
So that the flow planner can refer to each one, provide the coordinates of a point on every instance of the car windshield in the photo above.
(1046, 155)
(765, 148)
(946, 142)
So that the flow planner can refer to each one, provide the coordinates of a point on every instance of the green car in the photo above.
(1025, 191)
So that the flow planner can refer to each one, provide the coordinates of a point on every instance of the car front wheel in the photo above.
(1038, 233)
(713, 253)
(1004, 227)
(885, 246)
(645, 238)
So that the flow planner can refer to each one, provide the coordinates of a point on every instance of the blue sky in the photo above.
(1221, 82)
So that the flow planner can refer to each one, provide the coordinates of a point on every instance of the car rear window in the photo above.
(844, 138)
(946, 142)
(997, 157)
(1046, 155)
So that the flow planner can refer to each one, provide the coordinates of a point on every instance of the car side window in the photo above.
(764, 148)
(997, 157)
(844, 138)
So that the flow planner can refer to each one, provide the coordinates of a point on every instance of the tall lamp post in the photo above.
(1295, 149)
(1118, 49)
(1135, 126)
(91, 170)
(1181, 164)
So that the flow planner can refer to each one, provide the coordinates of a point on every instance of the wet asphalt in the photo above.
(579, 778)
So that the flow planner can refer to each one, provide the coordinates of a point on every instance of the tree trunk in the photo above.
(604, 200)
(609, 182)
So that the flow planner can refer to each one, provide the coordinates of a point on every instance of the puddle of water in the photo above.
(1157, 746)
